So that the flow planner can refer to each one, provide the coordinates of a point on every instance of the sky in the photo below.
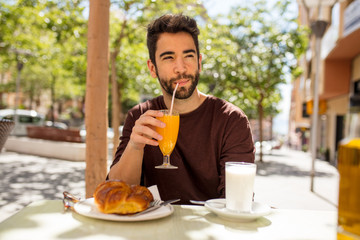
(281, 121)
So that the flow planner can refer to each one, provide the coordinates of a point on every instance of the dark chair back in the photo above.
(6, 126)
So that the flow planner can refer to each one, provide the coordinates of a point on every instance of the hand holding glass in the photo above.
(169, 134)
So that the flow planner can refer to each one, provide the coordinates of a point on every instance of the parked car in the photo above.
(266, 147)
(276, 144)
(58, 125)
(24, 118)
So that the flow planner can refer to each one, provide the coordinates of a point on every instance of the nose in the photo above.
(180, 66)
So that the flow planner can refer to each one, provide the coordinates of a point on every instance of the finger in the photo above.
(139, 141)
(135, 143)
(147, 140)
(149, 119)
(146, 131)
(153, 113)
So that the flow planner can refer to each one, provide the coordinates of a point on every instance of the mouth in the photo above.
(182, 82)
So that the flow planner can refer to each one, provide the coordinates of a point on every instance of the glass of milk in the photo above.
(239, 185)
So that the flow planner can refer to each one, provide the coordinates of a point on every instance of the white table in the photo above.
(46, 220)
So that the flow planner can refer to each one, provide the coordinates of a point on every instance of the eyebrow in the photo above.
(167, 53)
(171, 52)
(189, 51)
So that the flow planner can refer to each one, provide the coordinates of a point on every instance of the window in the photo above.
(304, 113)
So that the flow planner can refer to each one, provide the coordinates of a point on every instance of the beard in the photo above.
(181, 92)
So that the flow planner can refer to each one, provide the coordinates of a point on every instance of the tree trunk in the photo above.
(115, 90)
(271, 128)
(261, 116)
(115, 121)
(31, 98)
(96, 94)
(52, 90)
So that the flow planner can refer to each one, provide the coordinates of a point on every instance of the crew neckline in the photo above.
(193, 111)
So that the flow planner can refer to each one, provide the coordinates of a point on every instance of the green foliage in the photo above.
(253, 56)
(49, 38)
(244, 59)
(132, 72)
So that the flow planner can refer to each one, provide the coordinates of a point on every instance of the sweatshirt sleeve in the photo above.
(125, 137)
(237, 144)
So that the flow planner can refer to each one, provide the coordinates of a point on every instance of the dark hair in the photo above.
(171, 24)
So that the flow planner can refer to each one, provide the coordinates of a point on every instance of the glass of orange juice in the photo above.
(169, 134)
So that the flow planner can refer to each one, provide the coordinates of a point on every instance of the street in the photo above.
(282, 181)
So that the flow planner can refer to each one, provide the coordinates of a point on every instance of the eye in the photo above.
(167, 57)
(189, 56)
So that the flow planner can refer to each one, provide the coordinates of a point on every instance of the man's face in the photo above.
(176, 63)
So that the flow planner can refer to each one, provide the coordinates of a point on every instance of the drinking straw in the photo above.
(172, 100)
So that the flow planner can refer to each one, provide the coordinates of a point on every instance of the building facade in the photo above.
(339, 73)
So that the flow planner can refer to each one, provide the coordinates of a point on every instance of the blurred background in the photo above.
(250, 52)
(259, 55)
(291, 65)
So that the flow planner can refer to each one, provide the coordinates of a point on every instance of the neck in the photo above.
(185, 105)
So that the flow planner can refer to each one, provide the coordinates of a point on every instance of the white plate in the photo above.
(218, 206)
(88, 208)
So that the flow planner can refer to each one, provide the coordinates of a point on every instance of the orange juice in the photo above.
(349, 190)
(169, 133)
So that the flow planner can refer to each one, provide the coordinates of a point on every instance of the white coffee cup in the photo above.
(239, 185)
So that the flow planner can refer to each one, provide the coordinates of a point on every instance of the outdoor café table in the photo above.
(47, 220)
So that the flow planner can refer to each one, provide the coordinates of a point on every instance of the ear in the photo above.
(200, 60)
(152, 68)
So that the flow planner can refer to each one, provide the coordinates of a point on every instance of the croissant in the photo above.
(120, 198)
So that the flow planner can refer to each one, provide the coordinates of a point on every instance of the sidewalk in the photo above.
(282, 181)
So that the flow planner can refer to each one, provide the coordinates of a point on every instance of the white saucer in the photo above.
(218, 206)
(88, 208)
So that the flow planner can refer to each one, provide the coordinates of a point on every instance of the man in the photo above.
(212, 131)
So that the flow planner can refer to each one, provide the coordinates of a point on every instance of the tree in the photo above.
(63, 45)
(17, 44)
(48, 37)
(96, 95)
(265, 50)
(128, 50)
